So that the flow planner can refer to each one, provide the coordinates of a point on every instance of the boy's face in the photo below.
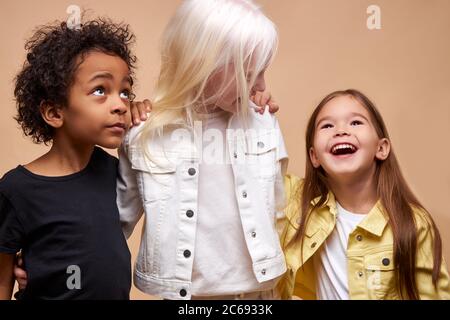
(98, 101)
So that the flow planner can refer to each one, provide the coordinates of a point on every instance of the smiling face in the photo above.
(98, 102)
(346, 144)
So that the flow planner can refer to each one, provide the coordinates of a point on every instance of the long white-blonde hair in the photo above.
(205, 36)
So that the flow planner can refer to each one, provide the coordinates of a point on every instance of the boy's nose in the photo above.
(120, 107)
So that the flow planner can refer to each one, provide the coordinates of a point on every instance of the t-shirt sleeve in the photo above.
(11, 230)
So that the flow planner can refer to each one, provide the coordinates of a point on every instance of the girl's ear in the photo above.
(313, 157)
(52, 114)
(384, 147)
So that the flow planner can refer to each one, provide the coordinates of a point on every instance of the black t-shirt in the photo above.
(68, 229)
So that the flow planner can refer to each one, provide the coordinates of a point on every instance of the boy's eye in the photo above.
(356, 123)
(126, 94)
(100, 91)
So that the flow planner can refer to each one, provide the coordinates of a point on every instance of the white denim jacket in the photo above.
(165, 188)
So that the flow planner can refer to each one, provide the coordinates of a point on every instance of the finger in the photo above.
(22, 283)
(257, 109)
(273, 107)
(19, 260)
(265, 98)
(262, 110)
(20, 274)
(142, 108)
(135, 117)
(260, 99)
(148, 105)
(255, 98)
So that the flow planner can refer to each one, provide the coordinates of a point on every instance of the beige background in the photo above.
(324, 45)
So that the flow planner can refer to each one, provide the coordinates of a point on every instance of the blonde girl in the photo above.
(205, 170)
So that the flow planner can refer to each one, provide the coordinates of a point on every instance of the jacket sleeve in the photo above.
(424, 264)
(280, 190)
(129, 200)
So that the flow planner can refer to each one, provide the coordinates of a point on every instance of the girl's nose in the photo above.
(341, 133)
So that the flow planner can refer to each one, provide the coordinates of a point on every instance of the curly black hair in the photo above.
(51, 63)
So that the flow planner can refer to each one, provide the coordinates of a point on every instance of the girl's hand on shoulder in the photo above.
(139, 110)
(261, 99)
(19, 272)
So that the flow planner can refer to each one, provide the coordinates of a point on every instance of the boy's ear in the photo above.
(384, 148)
(313, 157)
(52, 114)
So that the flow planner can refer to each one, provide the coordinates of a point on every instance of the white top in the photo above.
(331, 262)
(222, 263)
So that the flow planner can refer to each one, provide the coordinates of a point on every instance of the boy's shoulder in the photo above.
(19, 177)
(103, 156)
(12, 180)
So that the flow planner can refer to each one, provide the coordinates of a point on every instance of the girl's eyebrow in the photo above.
(353, 114)
(323, 119)
(357, 114)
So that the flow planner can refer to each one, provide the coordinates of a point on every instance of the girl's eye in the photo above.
(326, 126)
(356, 123)
(100, 91)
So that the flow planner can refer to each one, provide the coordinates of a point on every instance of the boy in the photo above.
(60, 210)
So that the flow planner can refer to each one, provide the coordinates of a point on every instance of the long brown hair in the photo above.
(395, 195)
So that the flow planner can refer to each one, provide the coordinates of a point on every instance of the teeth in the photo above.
(343, 146)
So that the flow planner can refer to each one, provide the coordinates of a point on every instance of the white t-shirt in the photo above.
(222, 263)
(331, 262)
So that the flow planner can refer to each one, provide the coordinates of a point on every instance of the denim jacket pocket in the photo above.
(260, 155)
(156, 176)
(380, 275)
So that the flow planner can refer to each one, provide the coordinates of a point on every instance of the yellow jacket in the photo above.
(371, 272)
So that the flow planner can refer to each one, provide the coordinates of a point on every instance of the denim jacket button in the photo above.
(187, 253)
(183, 293)
(263, 271)
(189, 213)
(192, 171)
(244, 194)
(359, 237)
(253, 234)
(386, 262)
(260, 144)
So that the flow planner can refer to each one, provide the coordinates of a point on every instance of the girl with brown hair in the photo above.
(354, 228)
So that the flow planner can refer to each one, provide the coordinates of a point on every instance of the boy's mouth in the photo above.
(343, 149)
(119, 127)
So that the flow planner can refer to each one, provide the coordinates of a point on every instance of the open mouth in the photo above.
(343, 149)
